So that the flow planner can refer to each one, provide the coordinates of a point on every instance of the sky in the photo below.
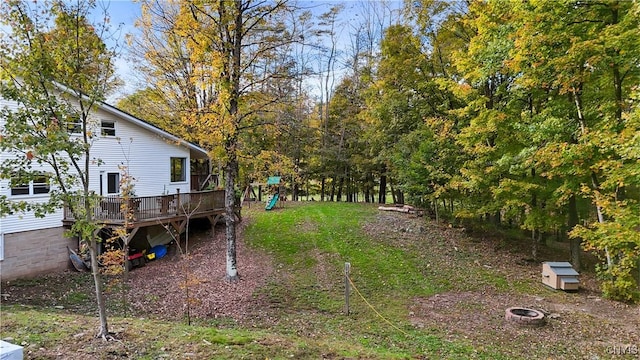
(124, 14)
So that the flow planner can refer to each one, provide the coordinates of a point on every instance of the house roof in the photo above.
(122, 114)
(137, 121)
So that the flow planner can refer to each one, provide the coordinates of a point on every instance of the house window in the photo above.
(178, 169)
(74, 127)
(113, 183)
(19, 189)
(108, 128)
(39, 185)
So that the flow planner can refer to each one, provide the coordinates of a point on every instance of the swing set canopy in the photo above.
(273, 180)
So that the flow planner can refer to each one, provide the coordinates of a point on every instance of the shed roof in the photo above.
(558, 264)
(562, 268)
(565, 271)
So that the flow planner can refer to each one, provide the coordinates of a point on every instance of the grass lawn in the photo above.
(424, 291)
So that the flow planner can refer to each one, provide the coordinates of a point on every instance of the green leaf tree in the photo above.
(585, 56)
(56, 68)
(233, 43)
(401, 96)
(555, 81)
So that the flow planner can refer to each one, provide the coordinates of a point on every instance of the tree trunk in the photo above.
(366, 189)
(370, 189)
(382, 194)
(333, 189)
(574, 243)
(294, 192)
(435, 209)
(353, 190)
(535, 241)
(306, 183)
(103, 332)
(322, 188)
(393, 193)
(229, 211)
(497, 218)
(347, 189)
(231, 141)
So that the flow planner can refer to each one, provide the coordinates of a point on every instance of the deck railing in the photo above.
(141, 208)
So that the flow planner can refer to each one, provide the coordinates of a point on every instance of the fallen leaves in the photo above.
(159, 287)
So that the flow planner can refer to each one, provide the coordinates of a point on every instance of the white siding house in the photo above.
(159, 162)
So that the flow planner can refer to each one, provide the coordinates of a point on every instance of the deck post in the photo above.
(178, 203)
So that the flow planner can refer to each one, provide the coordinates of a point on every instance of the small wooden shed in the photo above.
(560, 275)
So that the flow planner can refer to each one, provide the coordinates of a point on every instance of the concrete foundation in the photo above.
(37, 252)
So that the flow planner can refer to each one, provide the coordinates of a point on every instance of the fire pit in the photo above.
(524, 316)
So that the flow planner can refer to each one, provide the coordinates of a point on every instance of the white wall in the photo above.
(148, 157)
(33, 245)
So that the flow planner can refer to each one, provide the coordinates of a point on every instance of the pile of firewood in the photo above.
(407, 209)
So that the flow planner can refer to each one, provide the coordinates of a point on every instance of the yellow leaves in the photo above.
(585, 189)
(617, 240)
(112, 262)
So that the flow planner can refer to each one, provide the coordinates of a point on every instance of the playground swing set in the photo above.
(274, 188)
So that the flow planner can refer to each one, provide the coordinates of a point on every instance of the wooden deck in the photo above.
(153, 210)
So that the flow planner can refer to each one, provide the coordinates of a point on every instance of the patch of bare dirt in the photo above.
(163, 288)
(196, 281)
(585, 325)
(578, 324)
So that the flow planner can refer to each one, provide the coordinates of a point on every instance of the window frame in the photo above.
(38, 186)
(111, 130)
(19, 187)
(174, 177)
(117, 183)
(74, 127)
(32, 188)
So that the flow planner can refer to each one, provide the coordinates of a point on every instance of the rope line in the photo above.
(374, 309)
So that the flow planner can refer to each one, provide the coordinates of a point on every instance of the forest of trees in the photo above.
(521, 114)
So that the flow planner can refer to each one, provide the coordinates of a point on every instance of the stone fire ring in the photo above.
(524, 316)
